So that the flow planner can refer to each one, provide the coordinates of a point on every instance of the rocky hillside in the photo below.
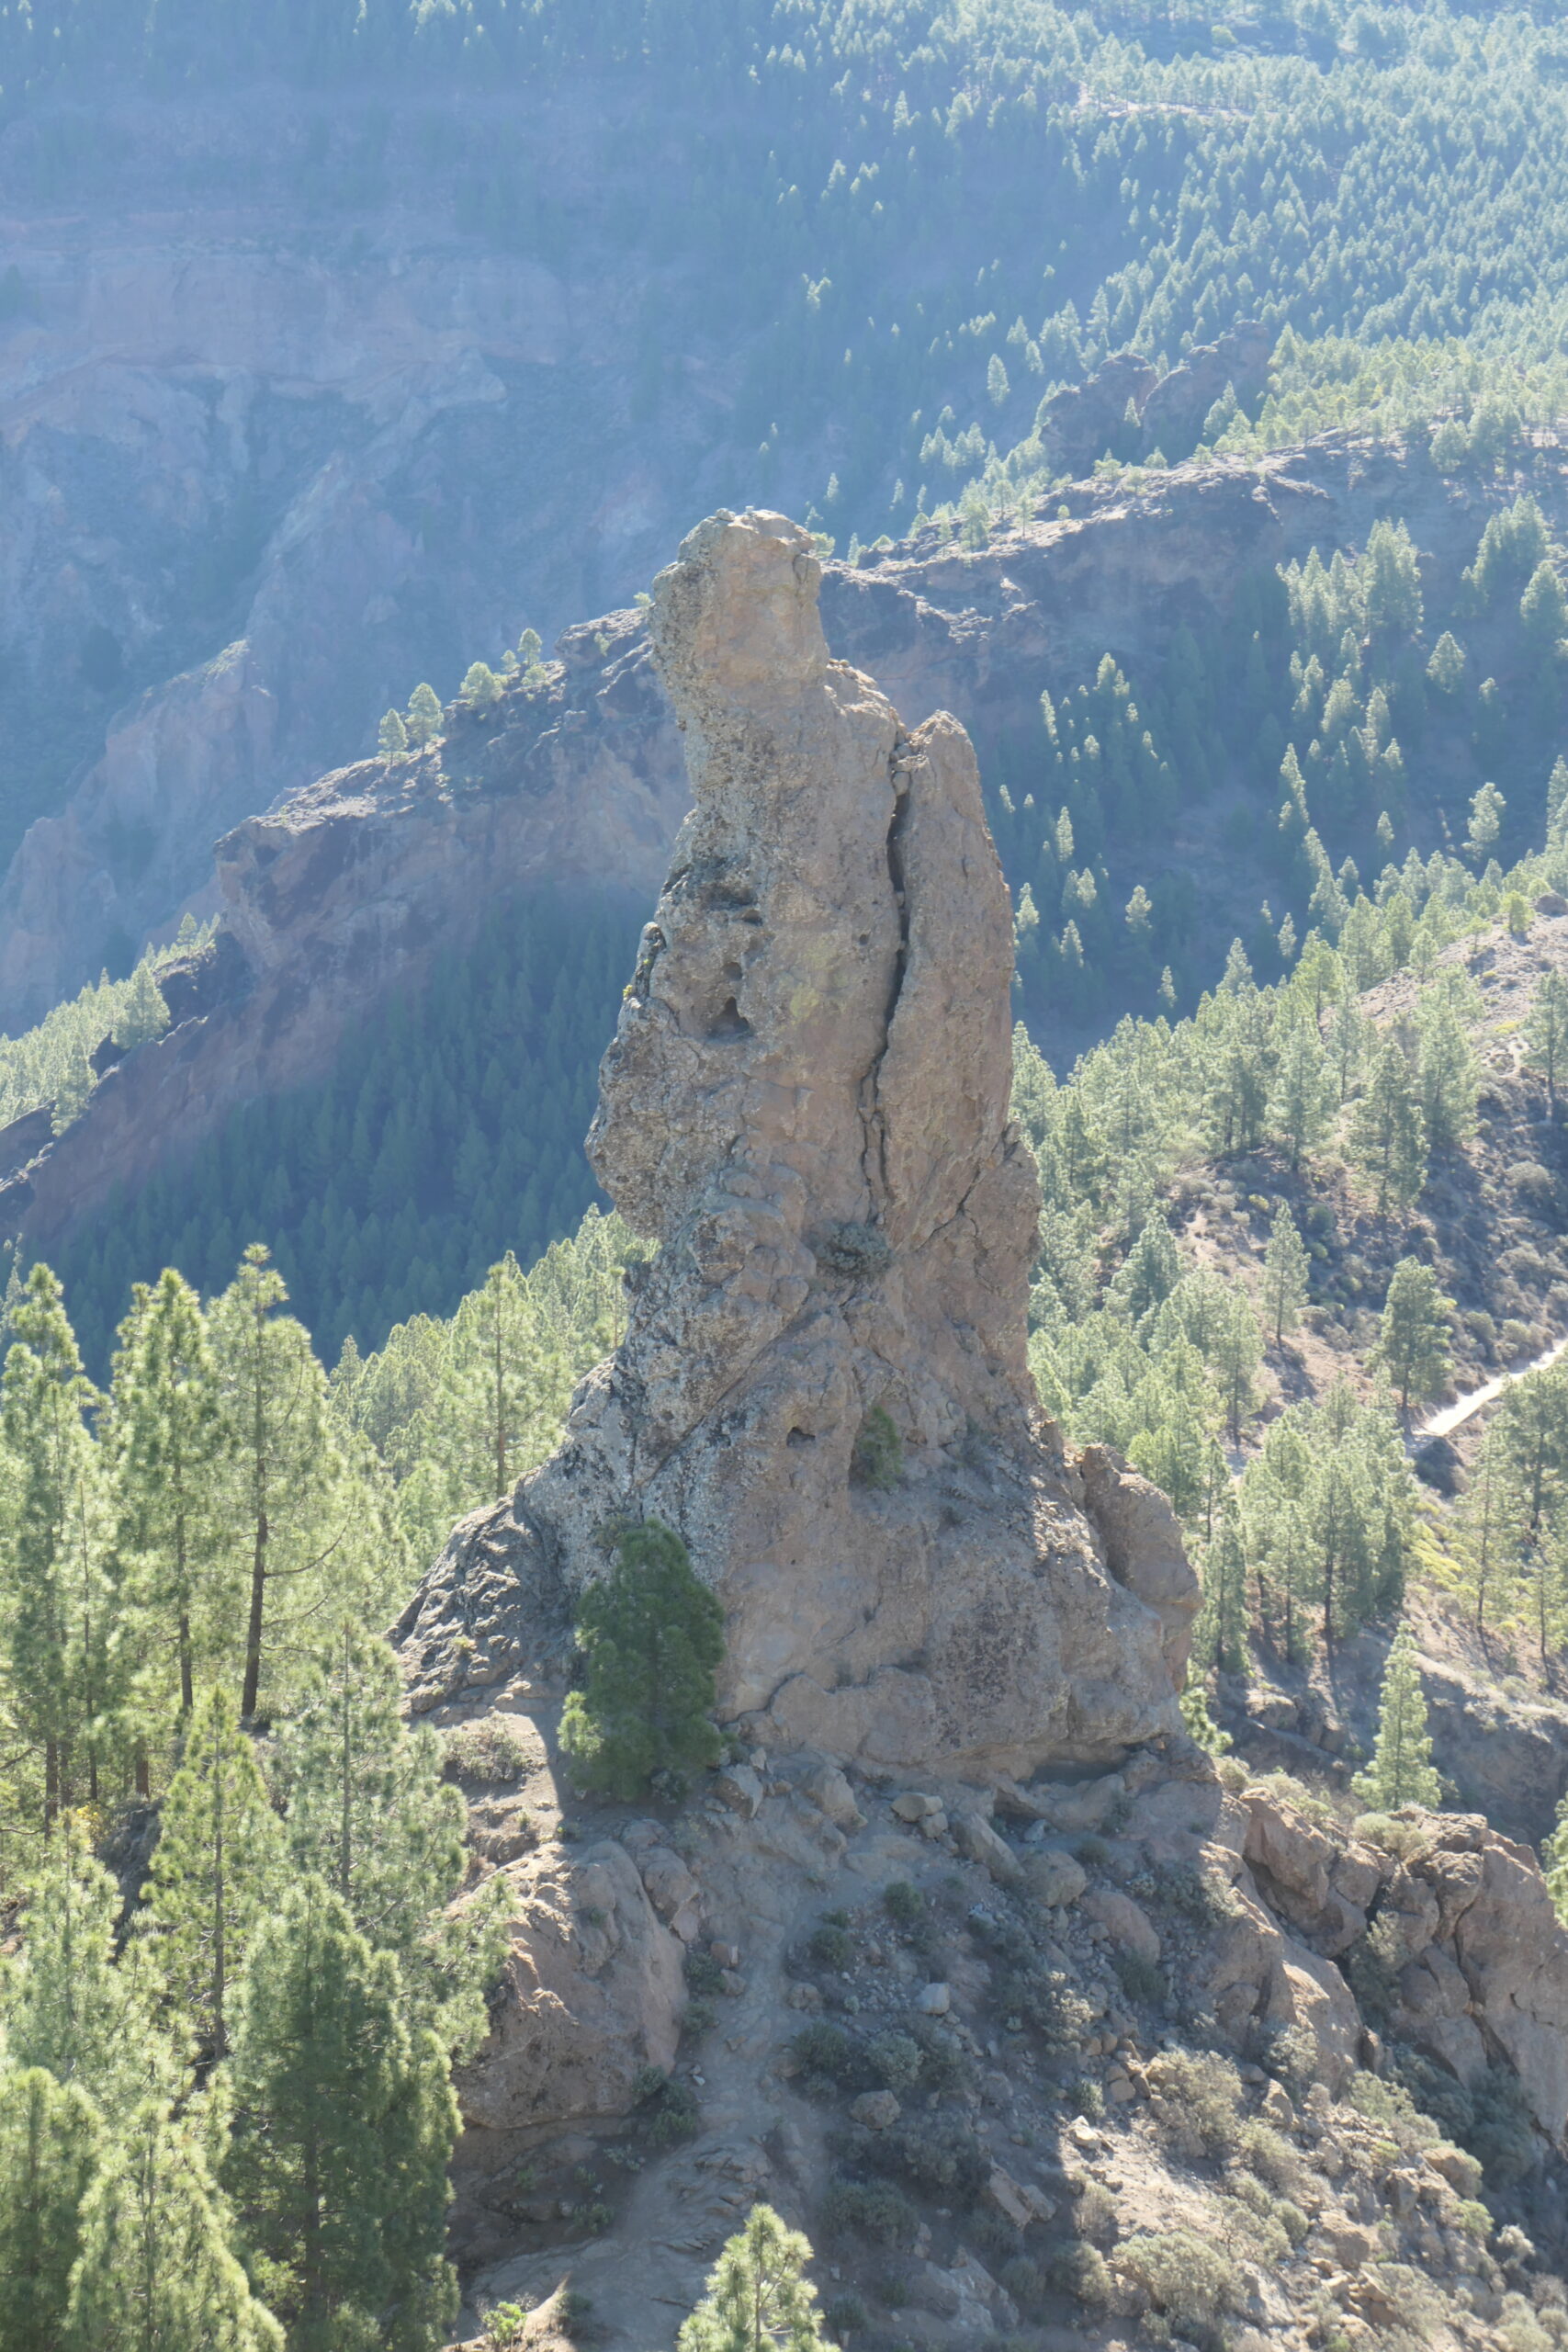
(968, 1957)
(1476, 1579)
(572, 773)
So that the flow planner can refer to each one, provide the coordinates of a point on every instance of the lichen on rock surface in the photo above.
(806, 1104)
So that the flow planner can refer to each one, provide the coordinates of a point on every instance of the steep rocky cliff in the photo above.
(336, 896)
(806, 1104)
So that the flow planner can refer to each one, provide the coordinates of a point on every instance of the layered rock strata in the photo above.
(823, 1384)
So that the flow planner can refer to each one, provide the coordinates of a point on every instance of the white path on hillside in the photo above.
(1454, 1416)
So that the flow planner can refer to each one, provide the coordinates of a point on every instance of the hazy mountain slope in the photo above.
(337, 343)
(342, 897)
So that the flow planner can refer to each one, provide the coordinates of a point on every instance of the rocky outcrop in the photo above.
(823, 1384)
(1461, 1932)
(591, 1995)
(1175, 411)
(1082, 423)
(1128, 410)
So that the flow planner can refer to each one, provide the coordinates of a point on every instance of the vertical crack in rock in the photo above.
(806, 1104)
(898, 780)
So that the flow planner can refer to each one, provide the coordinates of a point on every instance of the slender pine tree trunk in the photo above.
(187, 1692)
(500, 1409)
(89, 1693)
(1484, 1564)
(346, 1834)
(250, 1692)
(220, 1955)
(259, 1468)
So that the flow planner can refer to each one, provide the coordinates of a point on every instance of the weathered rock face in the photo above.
(823, 1385)
(593, 1992)
(1478, 1959)
(1082, 422)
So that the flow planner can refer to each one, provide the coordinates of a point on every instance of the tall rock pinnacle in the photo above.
(824, 1383)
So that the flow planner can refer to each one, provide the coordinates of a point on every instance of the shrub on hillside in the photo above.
(493, 1748)
(1190, 2281)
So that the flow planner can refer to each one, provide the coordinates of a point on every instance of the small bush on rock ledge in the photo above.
(654, 1636)
(491, 1749)
(1191, 2282)
(878, 1458)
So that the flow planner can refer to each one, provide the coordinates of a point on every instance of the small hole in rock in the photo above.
(800, 1437)
(729, 1021)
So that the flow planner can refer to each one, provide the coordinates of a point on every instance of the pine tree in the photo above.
(73, 1086)
(1219, 1635)
(1546, 1033)
(1487, 813)
(1298, 1109)
(392, 738)
(156, 2273)
(654, 1638)
(218, 1864)
(759, 2297)
(169, 1438)
(370, 1812)
(425, 716)
(1237, 1346)
(56, 1631)
(311, 1525)
(482, 688)
(1388, 1132)
(144, 1015)
(1532, 1429)
(68, 2004)
(1412, 1338)
(1348, 1047)
(499, 1377)
(1543, 608)
(342, 2127)
(1556, 801)
(1555, 1861)
(1199, 1723)
(1448, 1073)
(1286, 1268)
(1447, 666)
(1400, 1771)
(1489, 1514)
(48, 2146)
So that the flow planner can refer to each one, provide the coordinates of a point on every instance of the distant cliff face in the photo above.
(271, 452)
(265, 466)
(344, 890)
(351, 889)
